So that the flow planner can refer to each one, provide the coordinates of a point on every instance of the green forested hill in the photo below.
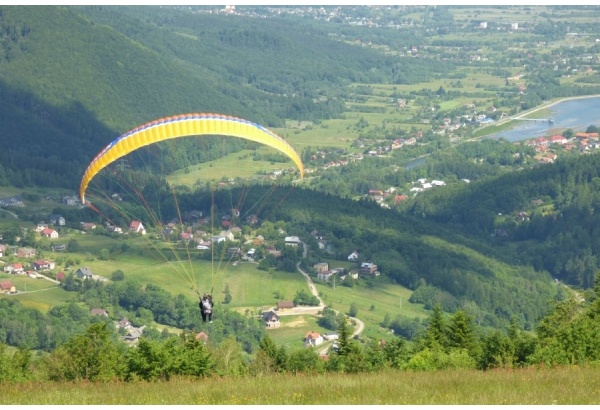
(80, 80)
(545, 217)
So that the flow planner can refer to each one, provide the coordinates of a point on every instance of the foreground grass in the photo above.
(573, 385)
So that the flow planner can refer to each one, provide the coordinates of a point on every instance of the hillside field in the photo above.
(560, 386)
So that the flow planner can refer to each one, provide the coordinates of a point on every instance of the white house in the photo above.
(353, 256)
(325, 275)
(292, 241)
(271, 319)
(313, 339)
(70, 200)
(137, 227)
(50, 233)
(56, 220)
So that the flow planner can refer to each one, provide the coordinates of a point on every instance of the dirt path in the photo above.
(303, 310)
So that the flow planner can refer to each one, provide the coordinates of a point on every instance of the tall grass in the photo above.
(569, 385)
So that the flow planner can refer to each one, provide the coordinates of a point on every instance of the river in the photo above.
(576, 114)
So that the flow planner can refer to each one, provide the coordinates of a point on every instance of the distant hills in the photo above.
(80, 76)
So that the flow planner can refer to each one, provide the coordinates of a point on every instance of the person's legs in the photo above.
(203, 317)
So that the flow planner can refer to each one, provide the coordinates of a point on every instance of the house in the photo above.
(271, 319)
(2, 250)
(99, 312)
(14, 268)
(59, 248)
(124, 323)
(313, 339)
(285, 304)
(114, 229)
(331, 336)
(369, 268)
(137, 227)
(50, 233)
(400, 198)
(316, 234)
(88, 226)
(325, 275)
(203, 245)
(218, 239)
(41, 264)
(558, 139)
(226, 235)
(292, 241)
(186, 237)
(321, 267)
(234, 252)
(56, 220)
(70, 200)
(84, 273)
(40, 227)
(7, 287)
(353, 256)
(25, 253)
(134, 335)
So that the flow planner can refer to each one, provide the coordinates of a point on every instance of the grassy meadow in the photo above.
(234, 165)
(385, 298)
(560, 386)
(250, 287)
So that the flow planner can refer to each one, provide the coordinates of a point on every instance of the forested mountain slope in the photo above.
(442, 265)
(80, 80)
(545, 217)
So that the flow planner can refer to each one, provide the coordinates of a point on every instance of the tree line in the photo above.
(568, 335)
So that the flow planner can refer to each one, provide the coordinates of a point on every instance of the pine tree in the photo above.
(461, 334)
(436, 331)
(343, 338)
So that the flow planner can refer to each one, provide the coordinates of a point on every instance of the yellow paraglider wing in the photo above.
(182, 126)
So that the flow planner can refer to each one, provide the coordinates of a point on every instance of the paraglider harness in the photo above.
(206, 304)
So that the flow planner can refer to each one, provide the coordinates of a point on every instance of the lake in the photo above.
(575, 114)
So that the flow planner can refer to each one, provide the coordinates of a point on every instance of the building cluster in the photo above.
(547, 148)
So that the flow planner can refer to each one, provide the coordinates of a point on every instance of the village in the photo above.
(192, 233)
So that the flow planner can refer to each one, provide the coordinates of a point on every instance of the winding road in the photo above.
(302, 310)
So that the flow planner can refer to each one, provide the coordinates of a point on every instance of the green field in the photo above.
(251, 289)
(235, 165)
(293, 329)
(45, 299)
(386, 298)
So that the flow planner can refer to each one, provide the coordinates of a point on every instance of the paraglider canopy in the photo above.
(200, 124)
